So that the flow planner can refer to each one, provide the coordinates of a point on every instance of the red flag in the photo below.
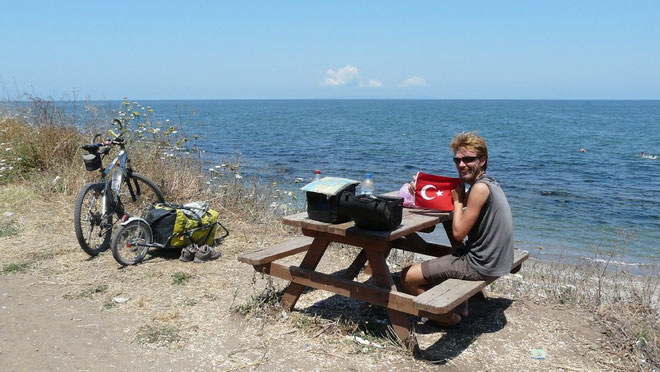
(434, 192)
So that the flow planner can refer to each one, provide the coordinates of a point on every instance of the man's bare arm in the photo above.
(463, 221)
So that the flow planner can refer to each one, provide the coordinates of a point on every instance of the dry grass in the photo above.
(627, 306)
(235, 312)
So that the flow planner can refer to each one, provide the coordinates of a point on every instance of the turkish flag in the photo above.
(434, 192)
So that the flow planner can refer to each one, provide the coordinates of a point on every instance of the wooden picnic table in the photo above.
(376, 246)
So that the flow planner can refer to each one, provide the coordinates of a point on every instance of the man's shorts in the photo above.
(439, 269)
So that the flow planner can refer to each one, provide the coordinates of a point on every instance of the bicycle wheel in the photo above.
(138, 194)
(93, 230)
(131, 242)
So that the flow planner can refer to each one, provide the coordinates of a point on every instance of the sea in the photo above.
(571, 170)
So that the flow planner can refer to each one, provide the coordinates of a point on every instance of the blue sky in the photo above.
(331, 49)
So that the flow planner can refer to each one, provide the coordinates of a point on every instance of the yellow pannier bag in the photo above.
(180, 226)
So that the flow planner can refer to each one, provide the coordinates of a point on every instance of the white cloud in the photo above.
(414, 81)
(375, 83)
(345, 75)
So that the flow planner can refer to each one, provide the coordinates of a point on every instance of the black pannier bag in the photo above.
(184, 224)
(370, 212)
(321, 207)
(323, 198)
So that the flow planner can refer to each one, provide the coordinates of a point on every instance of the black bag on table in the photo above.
(371, 212)
(323, 198)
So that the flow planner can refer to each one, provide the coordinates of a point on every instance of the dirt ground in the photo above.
(61, 310)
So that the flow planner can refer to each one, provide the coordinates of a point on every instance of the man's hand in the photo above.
(458, 194)
(412, 185)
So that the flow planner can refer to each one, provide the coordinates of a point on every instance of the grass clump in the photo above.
(9, 227)
(109, 305)
(88, 292)
(157, 334)
(265, 302)
(180, 278)
(13, 268)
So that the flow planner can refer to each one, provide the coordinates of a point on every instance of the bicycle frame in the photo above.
(121, 161)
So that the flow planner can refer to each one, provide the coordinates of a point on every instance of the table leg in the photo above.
(367, 270)
(383, 277)
(311, 260)
(356, 266)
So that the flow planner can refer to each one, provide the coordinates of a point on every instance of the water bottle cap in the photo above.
(368, 175)
(317, 172)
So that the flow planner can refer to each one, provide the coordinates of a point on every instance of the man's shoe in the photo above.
(187, 254)
(206, 253)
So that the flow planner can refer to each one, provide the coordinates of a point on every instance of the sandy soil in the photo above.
(58, 313)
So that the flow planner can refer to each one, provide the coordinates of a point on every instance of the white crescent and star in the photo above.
(425, 188)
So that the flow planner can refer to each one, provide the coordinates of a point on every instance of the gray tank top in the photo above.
(490, 242)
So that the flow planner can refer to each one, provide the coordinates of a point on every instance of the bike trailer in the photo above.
(178, 226)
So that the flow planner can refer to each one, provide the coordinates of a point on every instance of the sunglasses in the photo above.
(466, 159)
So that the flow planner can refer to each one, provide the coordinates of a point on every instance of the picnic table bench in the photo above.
(376, 246)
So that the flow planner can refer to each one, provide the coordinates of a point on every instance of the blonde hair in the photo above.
(471, 141)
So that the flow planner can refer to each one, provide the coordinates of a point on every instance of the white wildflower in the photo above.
(238, 176)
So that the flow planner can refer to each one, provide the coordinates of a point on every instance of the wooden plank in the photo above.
(447, 295)
(295, 219)
(347, 288)
(519, 256)
(277, 251)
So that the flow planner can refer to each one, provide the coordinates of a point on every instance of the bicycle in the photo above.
(99, 202)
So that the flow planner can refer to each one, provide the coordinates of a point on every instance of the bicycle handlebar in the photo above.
(117, 140)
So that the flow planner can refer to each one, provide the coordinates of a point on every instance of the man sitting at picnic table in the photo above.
(486, 221)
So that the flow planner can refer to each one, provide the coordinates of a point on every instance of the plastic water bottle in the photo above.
(317, 175)
(367, 186)
(116, 179)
